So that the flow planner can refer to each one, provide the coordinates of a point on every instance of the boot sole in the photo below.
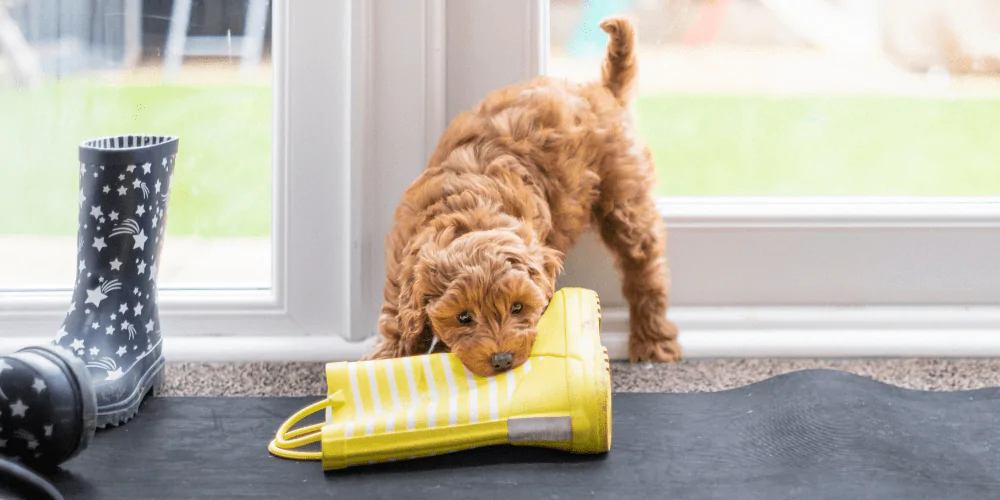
(122, 412)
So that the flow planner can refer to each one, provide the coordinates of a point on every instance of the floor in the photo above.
(307, 379)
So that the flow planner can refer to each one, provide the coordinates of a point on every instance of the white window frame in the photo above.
(751, 277)
(774, 277)
(313, 310)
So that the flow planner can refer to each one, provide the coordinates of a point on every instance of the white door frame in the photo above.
(775, 277)
(312, 310)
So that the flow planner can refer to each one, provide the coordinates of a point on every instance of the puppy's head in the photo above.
(481, 295)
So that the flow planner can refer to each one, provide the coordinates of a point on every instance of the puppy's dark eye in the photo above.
(465, 318)
(516, 308)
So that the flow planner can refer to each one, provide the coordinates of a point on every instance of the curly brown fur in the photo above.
(513, 184)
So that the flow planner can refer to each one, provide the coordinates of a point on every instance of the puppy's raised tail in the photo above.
(620, 68)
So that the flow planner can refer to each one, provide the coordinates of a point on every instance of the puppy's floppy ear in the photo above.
(420, 284)
(548, 265)
(541, 263)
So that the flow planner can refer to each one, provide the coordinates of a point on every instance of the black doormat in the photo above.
(812, 434)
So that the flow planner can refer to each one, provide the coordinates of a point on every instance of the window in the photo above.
(199, 70)
(797, 224)
(807, 98)
(818, 203)
(263, 238)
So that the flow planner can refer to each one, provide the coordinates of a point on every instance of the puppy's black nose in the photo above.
(501, 361)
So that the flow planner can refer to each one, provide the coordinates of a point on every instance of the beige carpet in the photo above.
(307, 379)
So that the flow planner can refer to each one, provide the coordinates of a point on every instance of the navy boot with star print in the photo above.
(113, 323)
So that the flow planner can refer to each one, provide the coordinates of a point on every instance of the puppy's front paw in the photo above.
(654, 340)
(663, 351)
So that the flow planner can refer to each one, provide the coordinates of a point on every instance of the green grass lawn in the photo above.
(703, 145)
(823, 146)
(222, 178)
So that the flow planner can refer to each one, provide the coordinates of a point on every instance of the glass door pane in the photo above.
(198, 69)
(806, 97)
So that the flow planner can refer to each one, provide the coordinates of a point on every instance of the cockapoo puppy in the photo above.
(480, 236)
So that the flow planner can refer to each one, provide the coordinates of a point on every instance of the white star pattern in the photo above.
(152, 271)
(138, 309)
(149, 326)
(18, 409)
(141, 210)
(83, 198)
(164, 163)
(142, 267)
(123, 308)
(121, 177)
(95, 297)
(106, 189)
(130, 169)
(76, 345)
(72, 306)
(136, 183)
(147, 166)
(154, 221)
(116, 265)
(94, 351)
(48, 430)
(122, 190)
(59, 335)
(157, 185)
(96, 212)
(140, 240)
(113, 215)
(83, 169)
(94, 325)
(125, 325)
(38, 386)
(110, 330)
(99, 244)
(83, 266)
(32, 444)
(114, 316)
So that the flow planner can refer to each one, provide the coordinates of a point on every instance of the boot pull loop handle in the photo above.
(286, 439)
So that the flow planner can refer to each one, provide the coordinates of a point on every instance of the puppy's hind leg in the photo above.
(633, 230)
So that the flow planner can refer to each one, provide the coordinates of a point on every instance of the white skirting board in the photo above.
(821, 332)
(705, 333)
